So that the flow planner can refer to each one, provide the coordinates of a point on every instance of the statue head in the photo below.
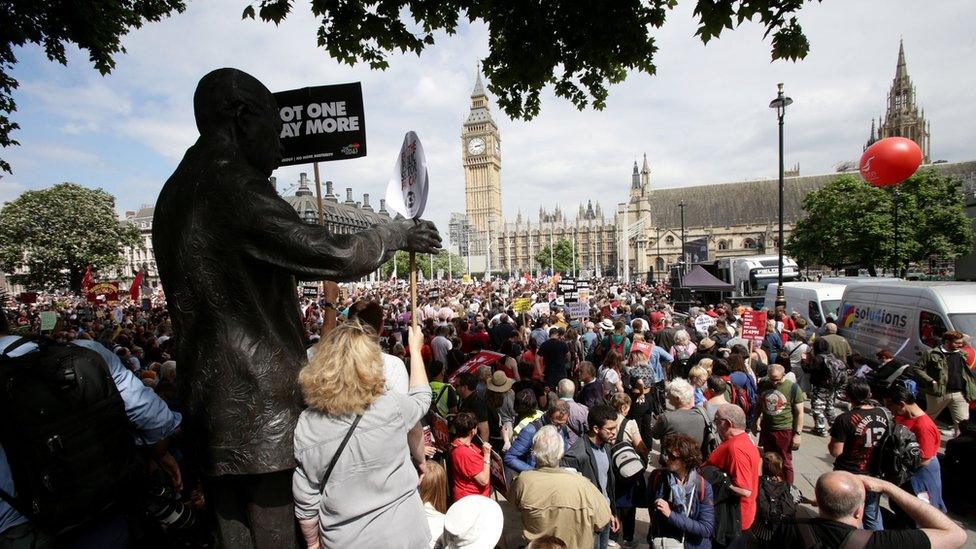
(234, 107)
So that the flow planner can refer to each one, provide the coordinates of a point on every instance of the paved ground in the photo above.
(809, 463)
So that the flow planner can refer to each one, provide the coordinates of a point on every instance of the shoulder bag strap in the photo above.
(441, 393)
(12, 501)
(621, 429)
(342, 446)
(857, 539)
(799, 344)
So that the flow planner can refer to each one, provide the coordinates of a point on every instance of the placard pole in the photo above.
(413, 289)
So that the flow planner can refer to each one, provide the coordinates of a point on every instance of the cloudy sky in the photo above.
(702, 119)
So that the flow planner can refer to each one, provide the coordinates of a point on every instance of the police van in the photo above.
(814, 301)
(906, 318)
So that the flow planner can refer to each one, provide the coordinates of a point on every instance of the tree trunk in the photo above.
(872, 270)
(74, 279)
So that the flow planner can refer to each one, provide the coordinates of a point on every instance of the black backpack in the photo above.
(775, 506)
(900, 454)
(66, 435)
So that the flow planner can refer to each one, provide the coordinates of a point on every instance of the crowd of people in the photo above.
(575, 422)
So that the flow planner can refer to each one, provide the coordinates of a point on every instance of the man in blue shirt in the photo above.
(153, 422)
(519, 457)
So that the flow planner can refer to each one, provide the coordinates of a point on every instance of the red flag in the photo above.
(86, 281)
(134, 289)
(483, 358)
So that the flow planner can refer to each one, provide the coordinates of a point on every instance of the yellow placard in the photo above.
(522, 305)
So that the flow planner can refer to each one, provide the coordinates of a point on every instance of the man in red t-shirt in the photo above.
(927, 480)
(738, 457)
(471, 466)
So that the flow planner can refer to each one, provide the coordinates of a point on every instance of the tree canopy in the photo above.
(457, 266)
(54, 234)
(97, 27)
(580, 48)
(850, 223)
(562, 253)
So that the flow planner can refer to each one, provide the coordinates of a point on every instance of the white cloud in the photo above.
(10, 190)
(67, 155)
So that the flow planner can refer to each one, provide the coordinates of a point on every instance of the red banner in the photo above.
(483, 358)
(104, 292)
(754, 325)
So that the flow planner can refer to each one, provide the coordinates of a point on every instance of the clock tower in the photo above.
(481, 155)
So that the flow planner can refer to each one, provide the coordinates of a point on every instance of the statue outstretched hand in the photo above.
(417, 236)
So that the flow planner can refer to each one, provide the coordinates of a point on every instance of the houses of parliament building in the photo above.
(720, 220)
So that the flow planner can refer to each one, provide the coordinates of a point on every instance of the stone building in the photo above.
(903, 117)
(137, 256)
(592, 236)
(346, 217)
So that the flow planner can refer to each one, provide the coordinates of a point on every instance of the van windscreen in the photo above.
(965, 323)
(830, 307)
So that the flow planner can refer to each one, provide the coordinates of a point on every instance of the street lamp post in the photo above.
(780, 104)
(683, 262)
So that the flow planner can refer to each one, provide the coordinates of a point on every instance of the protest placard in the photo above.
(322, 123)
(522, 305)
(703, 323)
(579, 309)
(497, 473)
(754, 325)
(48, 320)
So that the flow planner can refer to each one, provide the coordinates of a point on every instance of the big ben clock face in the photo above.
(476, 146)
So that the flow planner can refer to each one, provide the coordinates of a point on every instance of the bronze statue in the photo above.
(229, 250)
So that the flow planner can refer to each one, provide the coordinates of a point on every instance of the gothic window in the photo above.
(723, 245)
(659, 264)
(749, 244)
(669, 240)
(776, 242)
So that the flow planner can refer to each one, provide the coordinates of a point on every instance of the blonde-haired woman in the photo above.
(354, 484)
(433, 492)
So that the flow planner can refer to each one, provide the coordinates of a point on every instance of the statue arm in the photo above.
(273, 233)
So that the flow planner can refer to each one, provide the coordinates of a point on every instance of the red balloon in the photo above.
(890, 161)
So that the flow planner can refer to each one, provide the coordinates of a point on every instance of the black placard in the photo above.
(322, 123)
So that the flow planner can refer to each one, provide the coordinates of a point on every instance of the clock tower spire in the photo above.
(481, 157)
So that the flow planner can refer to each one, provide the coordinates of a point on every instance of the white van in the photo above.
(813, 300)
(848, 280)
(908, 318)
